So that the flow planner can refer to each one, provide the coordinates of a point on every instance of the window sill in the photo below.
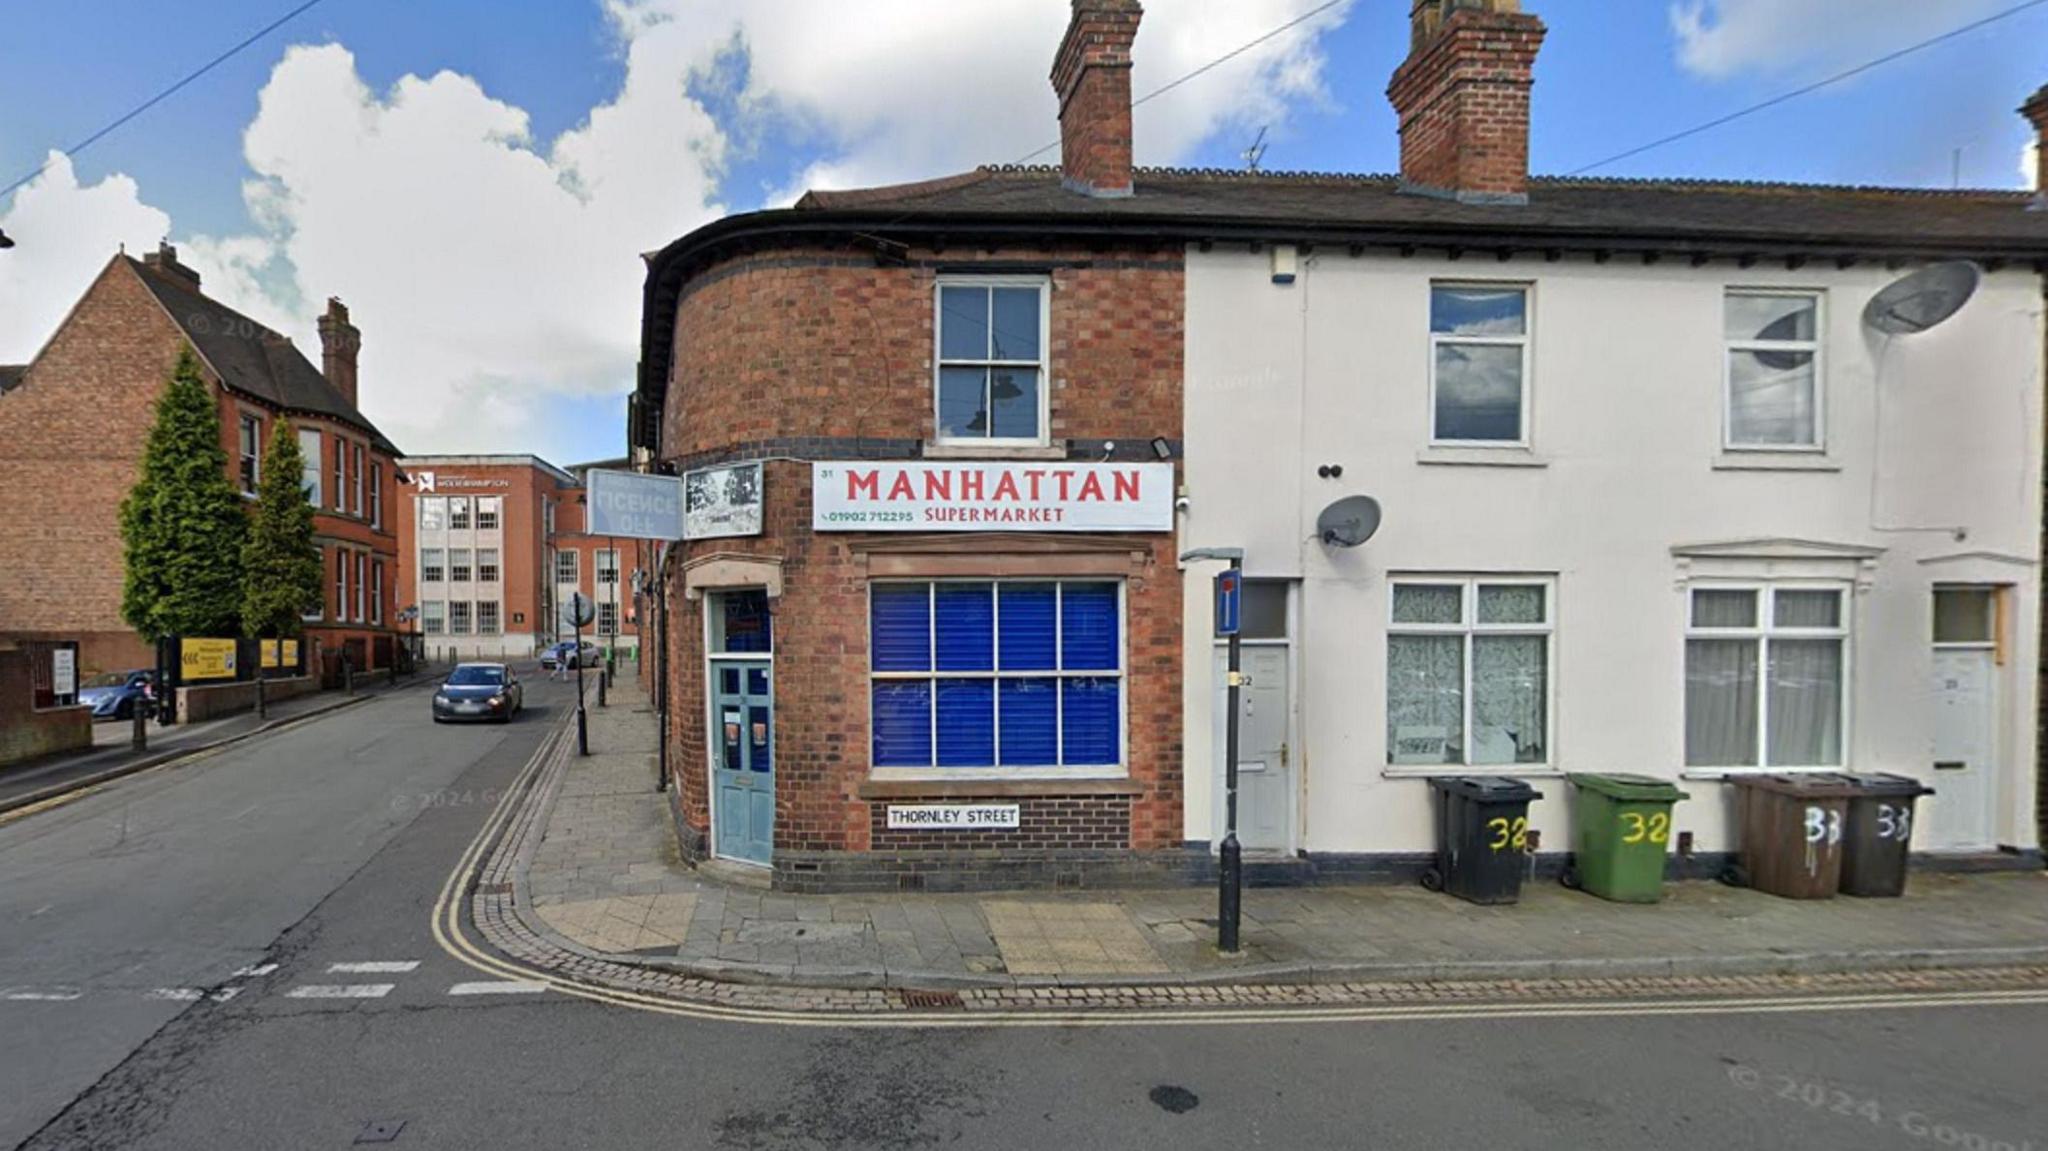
(1448, 771)
(1507, 457)
(1741, 461)
(951, 787)
(945, 451)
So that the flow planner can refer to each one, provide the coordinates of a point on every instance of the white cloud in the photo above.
(1719, 38)
(491, 271)
(64, 234)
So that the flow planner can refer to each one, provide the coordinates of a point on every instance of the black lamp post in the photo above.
(1230, 873)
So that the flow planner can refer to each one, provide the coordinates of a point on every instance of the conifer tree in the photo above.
(282, 577)
(183, 522)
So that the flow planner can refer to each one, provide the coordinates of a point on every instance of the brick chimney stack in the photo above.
(2036, 112)
(339, 342)
(1462, 96)
(1092, 76)
(165, 260)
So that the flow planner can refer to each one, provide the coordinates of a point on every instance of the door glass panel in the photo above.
(757, 681)
(760, 745)
(1963, 615)
(1262, 612)
(733, 757)
(729, 680)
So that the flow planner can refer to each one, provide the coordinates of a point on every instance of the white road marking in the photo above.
(32, 996)
(499, 987)
(177, 994)
(340, 991)
(225, 994)
(255, 971)
(375, 967)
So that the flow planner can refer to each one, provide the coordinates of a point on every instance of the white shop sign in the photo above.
(1054, 496)
(63, 671)
(952, 816)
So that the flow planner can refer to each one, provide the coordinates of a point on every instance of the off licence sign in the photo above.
(635, 505)
(1055, 496)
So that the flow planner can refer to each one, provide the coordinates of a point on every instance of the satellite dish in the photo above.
(1349, 522)
(1917, 302)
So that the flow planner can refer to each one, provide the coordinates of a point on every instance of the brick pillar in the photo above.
(1092, 76)
(1462, 96)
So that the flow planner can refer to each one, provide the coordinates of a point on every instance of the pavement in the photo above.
(595, 875)
(265, 949)
(112, 756)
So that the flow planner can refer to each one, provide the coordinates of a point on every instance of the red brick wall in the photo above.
(1463, 100)
(800, 353)
(26, 733)
(1091, 74)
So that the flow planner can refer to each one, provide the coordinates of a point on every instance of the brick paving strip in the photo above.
(586, 883)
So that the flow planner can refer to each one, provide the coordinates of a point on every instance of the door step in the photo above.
(737, 874)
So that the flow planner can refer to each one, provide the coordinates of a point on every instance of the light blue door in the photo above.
(743, 732)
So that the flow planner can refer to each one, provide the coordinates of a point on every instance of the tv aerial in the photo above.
(1348, 522)
(1916, 302)
(1256, 152)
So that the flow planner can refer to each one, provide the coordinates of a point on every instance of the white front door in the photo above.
(1959, 815)
(1265, 775)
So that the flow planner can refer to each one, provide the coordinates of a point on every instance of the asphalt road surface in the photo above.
(127, 916)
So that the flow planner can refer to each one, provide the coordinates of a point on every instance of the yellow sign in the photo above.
(206, 659)
(280, 652)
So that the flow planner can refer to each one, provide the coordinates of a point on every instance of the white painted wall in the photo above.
(1626, 423)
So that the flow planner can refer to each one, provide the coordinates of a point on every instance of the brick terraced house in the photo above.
(73, 424)
(1648, 508)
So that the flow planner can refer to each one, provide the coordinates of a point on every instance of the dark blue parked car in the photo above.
(115, 694)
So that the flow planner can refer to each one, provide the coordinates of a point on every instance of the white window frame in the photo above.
(251, 453)
(496, 573)
(439, 503)
(311, 463)
(575, 575)
(377, 592)
(607, 618)
(1043, 363)
(377, 494)
(340, 585)
(468, 614)
(433, 617)
(1468, 627)
(1119, 770)
(433, 565)
(468, 514)
(606, 560)
(356, 461)
(1816, 346)
(1526, 341)
(340, 474)
(497, 623)
(468, 567)
(496, 504)
(1765, 629)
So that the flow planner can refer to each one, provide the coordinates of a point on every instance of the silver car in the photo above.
(478, 691)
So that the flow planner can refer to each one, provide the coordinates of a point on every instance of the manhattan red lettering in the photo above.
(1126, 486)
(902, 488)
(858, 482)
(970, 485)
(1091, 488)
(1006, 488)
(1034, 476)
(1063, 477)
(938, 485)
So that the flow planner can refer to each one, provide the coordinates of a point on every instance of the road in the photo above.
(322, 850)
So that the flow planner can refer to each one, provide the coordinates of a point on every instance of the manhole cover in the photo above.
(380, 1131)
(932, 999)
(1177, 1100)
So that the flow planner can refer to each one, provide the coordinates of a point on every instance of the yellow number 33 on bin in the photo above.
(1656, 828)
(1508, 833)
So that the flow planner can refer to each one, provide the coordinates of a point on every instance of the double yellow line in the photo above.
(449, 933)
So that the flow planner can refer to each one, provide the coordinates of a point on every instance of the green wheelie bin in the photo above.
(1620, 835)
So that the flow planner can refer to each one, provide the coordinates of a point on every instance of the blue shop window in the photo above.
(987, 674)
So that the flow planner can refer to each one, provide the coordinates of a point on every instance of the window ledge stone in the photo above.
(1740, 461)
(936, 451)
(955, 788)
(1508, 457)
(1448, 771)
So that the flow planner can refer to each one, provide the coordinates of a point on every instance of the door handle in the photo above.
(1283, 753)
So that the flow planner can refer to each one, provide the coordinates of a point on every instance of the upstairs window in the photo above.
(376, 495)
(356, 506)
(309, 464)
(487, 513)
(1773, 370)
(487, 617)
(458, 565)
(1014, 674)
(607, 566)
(431, 570)
(340, 474)
(433, 616)
(1479, 364)
(458, 618)
(458, 513)
(487, 565)
(251, 436)
(433, 514)
(991, 386)
(565, 567)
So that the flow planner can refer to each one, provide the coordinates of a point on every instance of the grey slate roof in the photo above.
(251, 358)
(1983, 222)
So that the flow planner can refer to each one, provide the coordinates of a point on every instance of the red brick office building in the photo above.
(991, 697)
(73, 424)
(491, 546)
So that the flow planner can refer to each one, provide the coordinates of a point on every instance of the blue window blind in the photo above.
(981, 674)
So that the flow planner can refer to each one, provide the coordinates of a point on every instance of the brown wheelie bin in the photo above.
(1791, 827)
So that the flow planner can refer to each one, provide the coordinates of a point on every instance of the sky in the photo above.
(477, 180)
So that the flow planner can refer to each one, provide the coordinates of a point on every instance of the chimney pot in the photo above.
(2036, 112)
(165, 260)
(1462, 96)
(1091, 74)
(339, 343)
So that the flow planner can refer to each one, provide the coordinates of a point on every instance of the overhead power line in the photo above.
(160, 97)
(1816, 86)
(1219, 61)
